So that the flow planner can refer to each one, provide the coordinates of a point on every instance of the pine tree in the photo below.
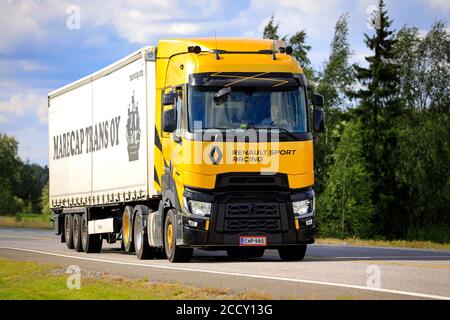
(378, 108)
(300, 49)
(271, 30)
(300, 52)
(298, 44)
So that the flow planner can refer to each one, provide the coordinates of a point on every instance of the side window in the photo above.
(179, 108)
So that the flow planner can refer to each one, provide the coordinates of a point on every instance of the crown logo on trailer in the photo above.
(133, 130)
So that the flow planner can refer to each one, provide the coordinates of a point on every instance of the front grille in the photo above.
(242, 217)
(252, 225)
(252, 210)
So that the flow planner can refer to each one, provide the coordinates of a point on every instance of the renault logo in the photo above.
(215, 155)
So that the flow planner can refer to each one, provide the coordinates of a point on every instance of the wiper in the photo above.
(283, 130)
(222, 94)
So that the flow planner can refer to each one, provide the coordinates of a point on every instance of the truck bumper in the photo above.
(227, 224)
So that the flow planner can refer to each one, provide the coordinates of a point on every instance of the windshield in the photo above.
(246, 108)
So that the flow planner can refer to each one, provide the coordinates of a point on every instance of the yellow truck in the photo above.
(194, 143)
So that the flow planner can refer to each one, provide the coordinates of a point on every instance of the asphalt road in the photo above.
(328, 272)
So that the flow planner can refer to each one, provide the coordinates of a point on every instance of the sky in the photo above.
(45, 44)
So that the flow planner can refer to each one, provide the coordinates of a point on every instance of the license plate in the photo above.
(253, 241)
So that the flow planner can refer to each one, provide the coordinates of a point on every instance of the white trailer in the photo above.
(101, 138)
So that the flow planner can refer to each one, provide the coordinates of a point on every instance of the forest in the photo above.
(383, 166)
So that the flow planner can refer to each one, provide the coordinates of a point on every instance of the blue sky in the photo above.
(39, 53)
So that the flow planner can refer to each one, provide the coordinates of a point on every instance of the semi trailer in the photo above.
(193, 143)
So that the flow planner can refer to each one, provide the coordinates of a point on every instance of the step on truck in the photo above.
(194, 143)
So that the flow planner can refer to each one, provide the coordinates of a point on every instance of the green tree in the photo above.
(271, 30)
(337, 79)
(378, 110)
(423, 155)
(9, 174)
(298, 44)
(300, 52)
(345, 208)
(424, 68)
(334, 84)
(44, 200)
(33, 178)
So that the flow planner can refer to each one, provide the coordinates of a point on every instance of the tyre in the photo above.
(292, 253)
(238, 253)
(160, 253)
(174, 253)
(77, 233)
(68, 230)
(140, 236)
(63, 233)
(92, 243)
(127, 229)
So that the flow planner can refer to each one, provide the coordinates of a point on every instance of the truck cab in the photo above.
(233, 149)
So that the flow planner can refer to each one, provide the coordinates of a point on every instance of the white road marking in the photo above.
(390, 257)
(347, 257)
(341, 285)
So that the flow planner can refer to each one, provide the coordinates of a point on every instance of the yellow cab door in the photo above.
(172, 144)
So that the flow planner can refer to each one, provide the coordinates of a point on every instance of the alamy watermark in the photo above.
(374, 276)
(259, 147)
(74, 280)
(373, 17)
(73, 21)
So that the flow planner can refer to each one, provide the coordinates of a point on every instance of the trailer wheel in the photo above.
(91, 243)
(292, 253)
(68, 230)
(143, 249)
(127, 229)
(174, 253)
(78, 246)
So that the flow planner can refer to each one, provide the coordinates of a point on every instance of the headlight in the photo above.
(303, 208)
(197, 207)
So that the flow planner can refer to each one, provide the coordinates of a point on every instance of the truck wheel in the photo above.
(127, 229)
(143, 249)
(77, 233)
(92, 243)
(292, 253)
(68, 231)
(174, 253)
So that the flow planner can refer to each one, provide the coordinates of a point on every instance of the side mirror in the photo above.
(319, 120)
(317, 100)
(168, 98)
(170, 120)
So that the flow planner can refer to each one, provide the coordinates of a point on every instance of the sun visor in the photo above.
(239, 79)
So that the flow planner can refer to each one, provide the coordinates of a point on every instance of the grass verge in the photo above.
(32, 281)
(384, 243)
(37, 221)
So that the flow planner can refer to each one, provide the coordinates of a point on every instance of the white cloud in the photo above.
(438, 4)
(317, 17)
(23, 104)
(11, 66)
(33, 144)
(3, 119)
(23, 21)
(33, 22)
